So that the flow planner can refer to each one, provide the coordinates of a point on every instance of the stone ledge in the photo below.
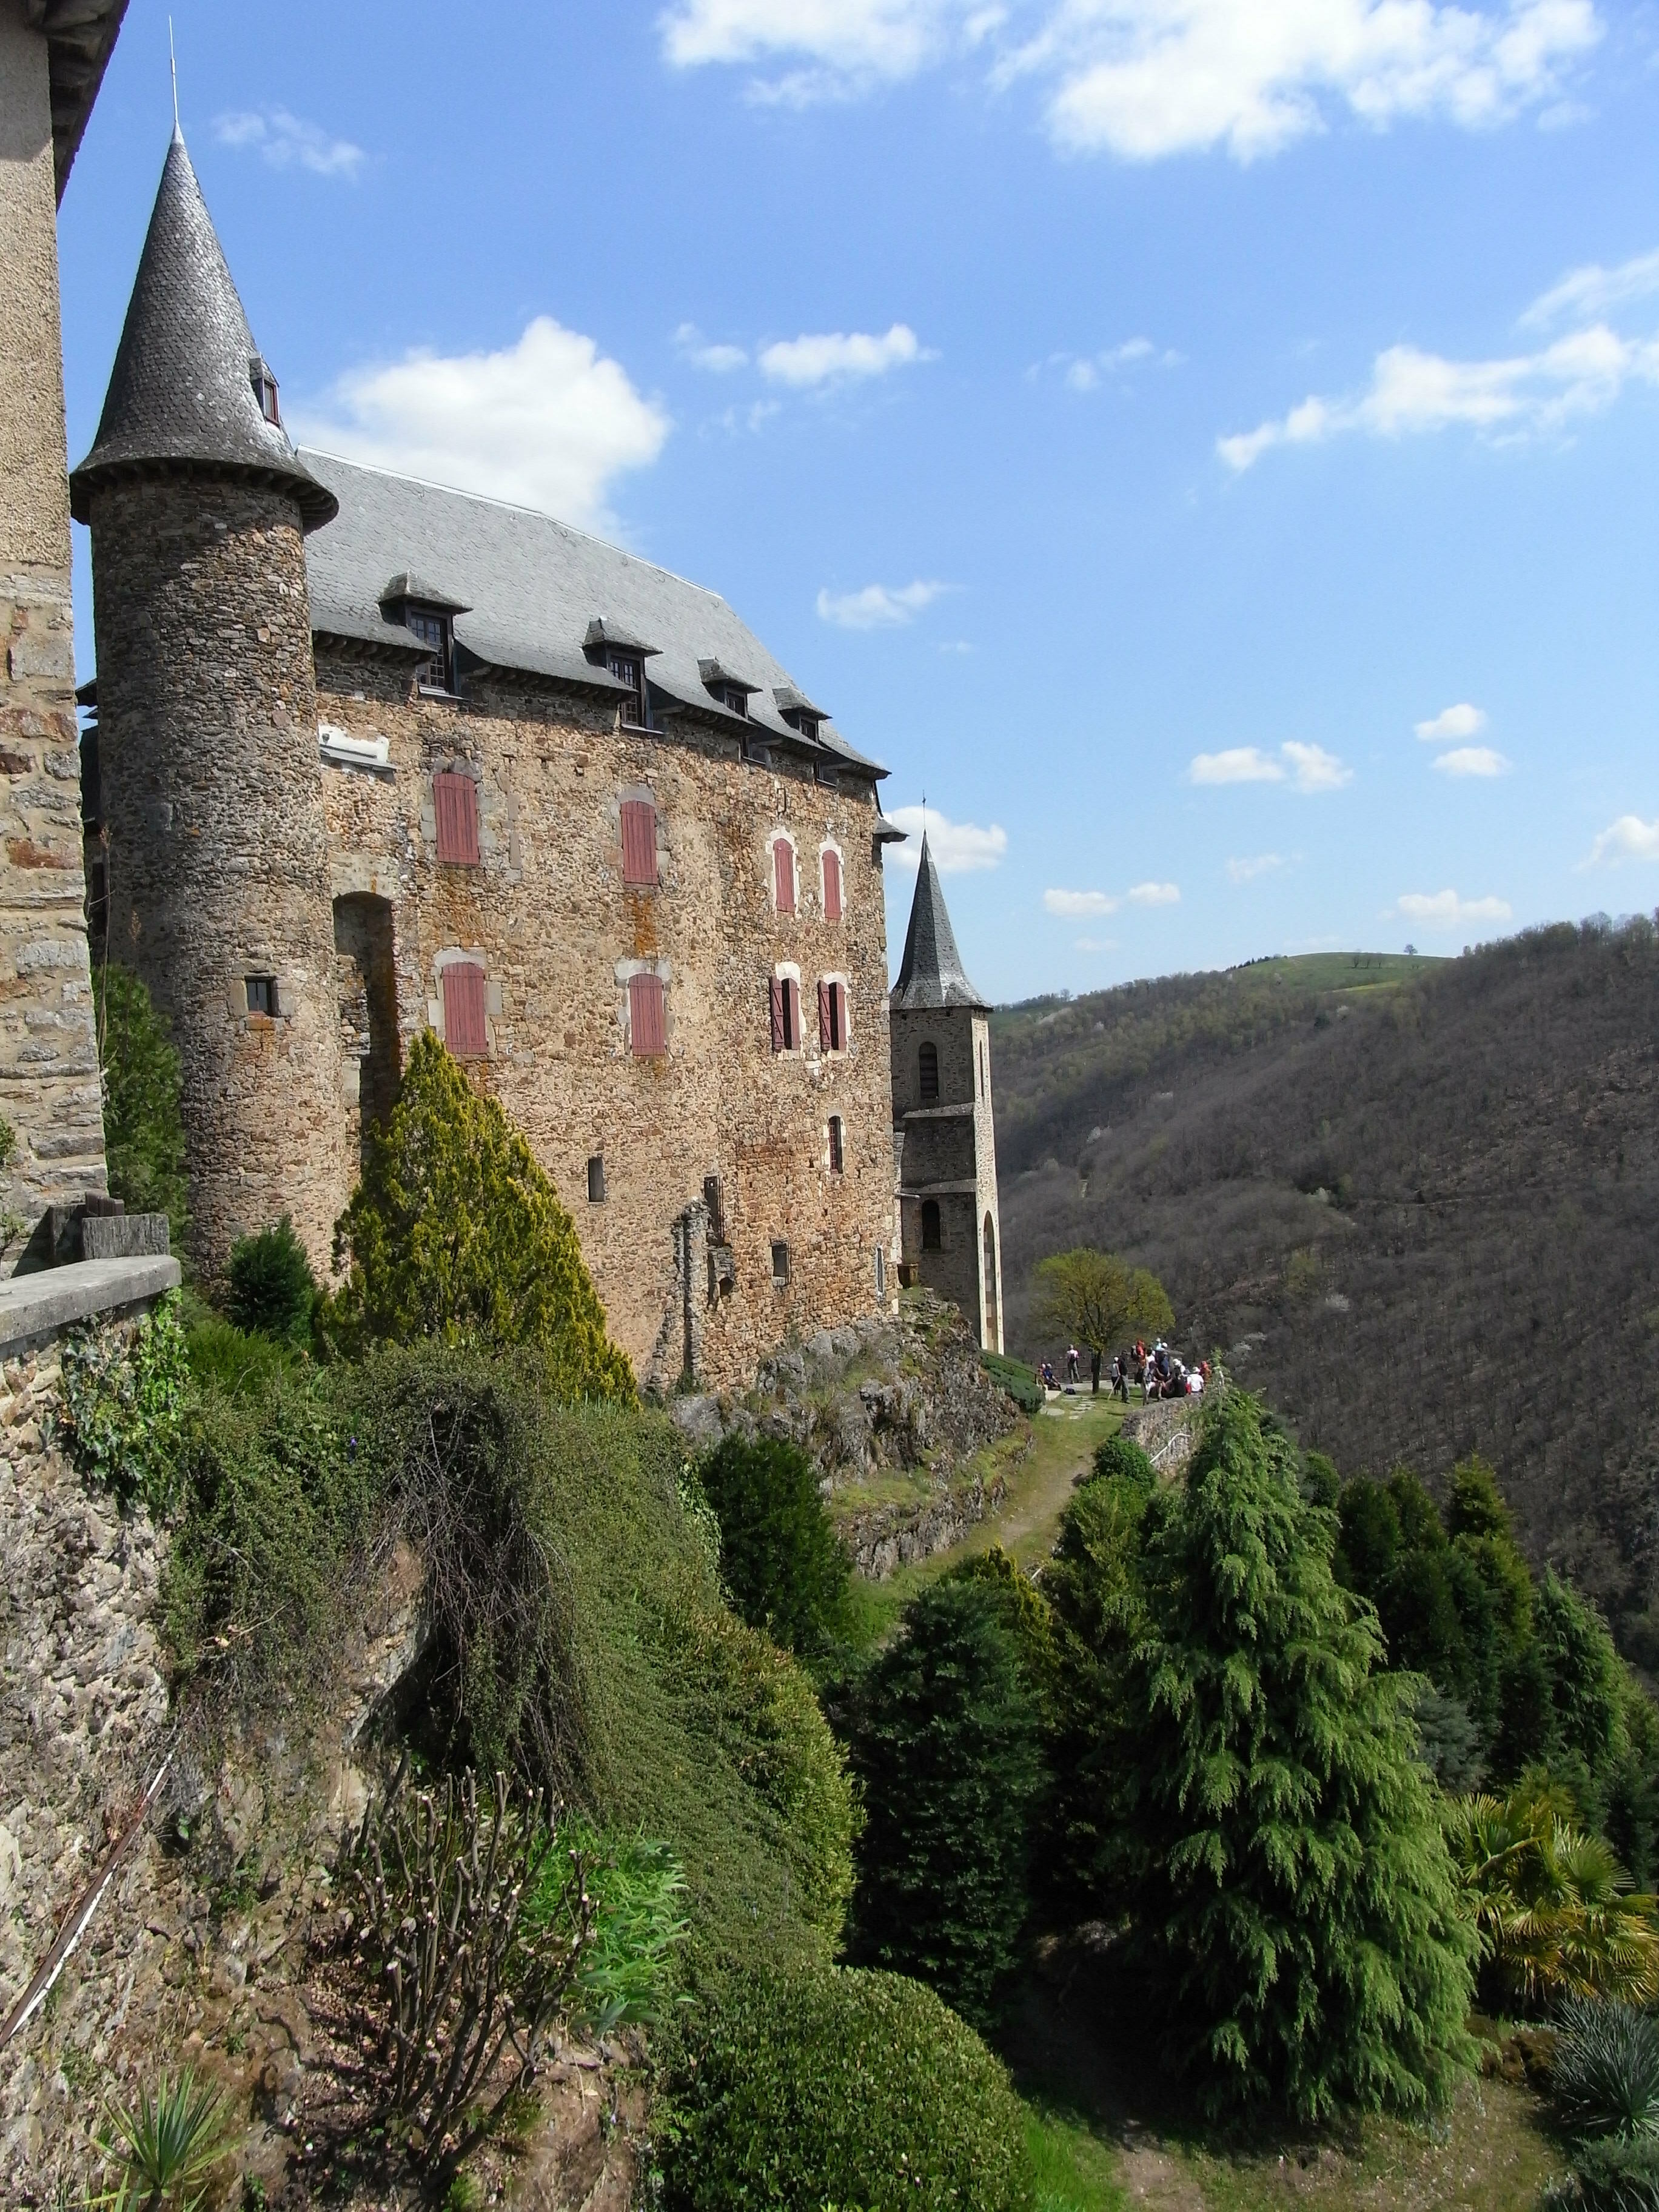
(34, 1308)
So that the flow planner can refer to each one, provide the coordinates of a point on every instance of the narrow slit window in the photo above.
(464, 1010)
(927, 1071)
(780, 1266)
(832, 886)
(881, 1273)
(930, 1241)
(837, 1145)
(646, 1020)
(596, 1180)
(455, 803)
(262, 995)
(639, 843)
(783, 866)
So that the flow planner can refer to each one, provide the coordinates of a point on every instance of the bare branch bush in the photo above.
(471, 1990)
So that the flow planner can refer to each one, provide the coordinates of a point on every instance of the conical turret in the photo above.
(931, 974)
(190, 388)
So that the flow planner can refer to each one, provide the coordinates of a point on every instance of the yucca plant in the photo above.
(1606, 2074)
(165, 2144)
(1555, 1910)
(1608, 2176)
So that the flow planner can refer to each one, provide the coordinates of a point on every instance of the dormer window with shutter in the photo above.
(264, 391)
(622, 657)
(428, 615)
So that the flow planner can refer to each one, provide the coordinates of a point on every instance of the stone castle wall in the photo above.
(547, 916)
(218, 860)
(952, 1144)
(49, 1084)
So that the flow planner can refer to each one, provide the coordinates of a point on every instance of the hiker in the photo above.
(1121, 1376)
(1070, 1364)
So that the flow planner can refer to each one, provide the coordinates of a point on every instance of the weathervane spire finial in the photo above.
(173, 59)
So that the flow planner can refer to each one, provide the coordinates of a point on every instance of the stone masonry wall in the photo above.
(49, 1086)
(952, 1144)
(218, 871)
(547, 914)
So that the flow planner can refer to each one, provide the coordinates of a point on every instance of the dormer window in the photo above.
(264, 391)
(623, 658)
(436, 632)
(800, 713)
(728, 690)
(627, 668)
(737, 701)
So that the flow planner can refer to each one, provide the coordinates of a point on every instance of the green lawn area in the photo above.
(1346, 971)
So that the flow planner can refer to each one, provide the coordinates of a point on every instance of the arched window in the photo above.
(930, 1235)
(927, 1068)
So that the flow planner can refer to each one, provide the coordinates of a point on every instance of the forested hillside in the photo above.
(1414, 1202)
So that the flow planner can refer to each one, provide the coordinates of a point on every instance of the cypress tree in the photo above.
(1292, 1900)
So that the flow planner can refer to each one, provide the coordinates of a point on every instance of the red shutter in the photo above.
(455, 801)
(639, 842)
(783, 854)
(777, 1015)
(832, 886)
(464, 1010)
(645, 1016)
(826, 1025)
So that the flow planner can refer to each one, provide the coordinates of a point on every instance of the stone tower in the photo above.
(943, 1138)
(218, 881)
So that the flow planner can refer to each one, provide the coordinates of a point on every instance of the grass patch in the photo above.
(1074, 2168)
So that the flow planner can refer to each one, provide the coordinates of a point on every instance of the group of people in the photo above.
(1156, 1373)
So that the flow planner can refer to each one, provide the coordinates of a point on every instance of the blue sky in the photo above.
(1209, 447)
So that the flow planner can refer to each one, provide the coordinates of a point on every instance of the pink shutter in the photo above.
(455, 802)
(777, 1015)
(832, 886)
(645, 1016)
(783, 854)
(826, 1024)
(639, 840)
(464, 1010)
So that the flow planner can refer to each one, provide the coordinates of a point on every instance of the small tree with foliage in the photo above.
(143, 1122)
(1099, 1299)
(270, 1290)
(945, 1746)
(1292, 1900)
(785, 1568)
(455, 1232)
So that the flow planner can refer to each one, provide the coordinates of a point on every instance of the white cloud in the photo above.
(1142, 79)
(1629, 838)
(1248, 871)
(1155, 894)
(548, 421)
(879, 606)
(282, 140)
(1461, 722)
(1083, 374)
(1472, 760)
(1095, 944)
(720, 360)
(1411, 393)
(1312, 769)
(1445, 910)
(1077, 905)
(836, 356)
(1584, 295)
(959, 848)
(1239, 764)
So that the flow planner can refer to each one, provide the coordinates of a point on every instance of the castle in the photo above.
(373, 756)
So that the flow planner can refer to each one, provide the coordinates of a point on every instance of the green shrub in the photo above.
(143, 1122)
(848, 2089)
(456, 1233)
(946, 1745)
(1121, 1455)
(1605, 2078)
(122, 1400)
(270, 1288)
(1022, 1383)
(786, 1569)
(227, 1359)
(1610, 2176)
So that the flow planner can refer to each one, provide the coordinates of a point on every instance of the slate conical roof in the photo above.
(932, 972)
(181, 392)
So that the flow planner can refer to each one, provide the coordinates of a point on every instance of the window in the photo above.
(786, 1013)
(713, 1199)
(783, 875)
(646, 1024)
(626, 668)
(455, 803)
(832, 886)
(826, 775)
(639, 843)
(596, 1180)
(780, 1266)
(837, 1146)
(737, 701)
(832, 1017)
(928, 1070)
(756, 751)
(433, 630)
(930, 1233)
(265, 390)
(982, 1068)
(262, 995)
(881, 1273)
(464, 1010)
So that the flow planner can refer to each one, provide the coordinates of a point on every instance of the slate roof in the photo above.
(81, 37)
(534, 589)
(931, 974)
(181, 392)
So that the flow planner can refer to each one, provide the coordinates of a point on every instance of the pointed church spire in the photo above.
(182, 393)
(932, 972)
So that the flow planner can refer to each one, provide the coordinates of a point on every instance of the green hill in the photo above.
(1415, 1201)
